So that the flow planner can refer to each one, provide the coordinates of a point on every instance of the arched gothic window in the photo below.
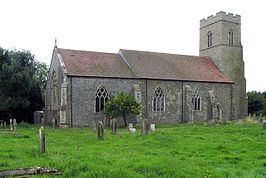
(231, 38)
(54, 92)
(196, 101)
(209, 39)
(158, 100)
(101, 98)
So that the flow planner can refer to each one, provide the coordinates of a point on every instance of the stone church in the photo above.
(171, 88)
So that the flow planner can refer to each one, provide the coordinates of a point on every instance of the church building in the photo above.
(171, 88)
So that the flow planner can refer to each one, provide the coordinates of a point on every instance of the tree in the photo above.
(123, 105)
(255, 102)
(20, 85)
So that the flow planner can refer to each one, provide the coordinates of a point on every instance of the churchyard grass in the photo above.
(181, 150)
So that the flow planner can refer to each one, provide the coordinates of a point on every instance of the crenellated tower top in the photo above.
(221, 16)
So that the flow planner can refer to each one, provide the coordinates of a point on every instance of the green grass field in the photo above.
(181, 150)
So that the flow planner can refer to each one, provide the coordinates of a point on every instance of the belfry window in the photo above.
(209, 39)
(196, 101)
(158, 100)
(100, 99)
(231, 38)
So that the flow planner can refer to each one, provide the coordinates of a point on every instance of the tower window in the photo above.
(196, 101)
(209, 39)
(158, 100)
(231, 38)
(100, 99)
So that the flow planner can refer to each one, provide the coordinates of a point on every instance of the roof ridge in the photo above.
(164, 53)
(87, 51)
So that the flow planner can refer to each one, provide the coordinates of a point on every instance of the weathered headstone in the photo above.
(100, 131)
(249, 115)
(264, 124)
(11, 126)
(53, 122)
(114, 126)
(15, 126)
(4, 123)
(93, 124)
(38, 115)
(145, 126)
(42, 121)
(41, 140)
(1, 123)
(260, 115)
(153, 127)
(106, 121)
(130, 125)
(254, 115)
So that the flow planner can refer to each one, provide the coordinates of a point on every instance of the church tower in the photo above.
(220, 40)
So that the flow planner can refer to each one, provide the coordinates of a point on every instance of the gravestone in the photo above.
(41, 140)
(38, 115)
(42, 121)
(145, 126)
(106, 121)
(260, 115)
(153, 127)
(114, 126)
(264, 124)
(15, 126)
(254, 116)
(93, 124)
(100, 131)
(1, 123)
(4, 123)
(11, 127)
(130, 125)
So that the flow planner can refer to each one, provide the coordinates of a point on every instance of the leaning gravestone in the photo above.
(114, 126)
(264, 124)
(11, 127)
(41, 140)
(100, 131)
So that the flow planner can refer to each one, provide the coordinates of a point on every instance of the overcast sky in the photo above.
(168, 26)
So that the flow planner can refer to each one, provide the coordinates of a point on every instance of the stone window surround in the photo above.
(231, 37)
(209, 35)
(196, 101)
(96, 95)
(161, 101)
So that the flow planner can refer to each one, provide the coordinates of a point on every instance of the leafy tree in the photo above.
(123, 105)
(255, 102)
(21, 85)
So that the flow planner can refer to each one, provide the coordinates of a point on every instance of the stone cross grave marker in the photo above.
(100, 131)
(114, 126)
(41, 140)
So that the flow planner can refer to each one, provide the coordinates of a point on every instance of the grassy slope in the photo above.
(183, 150)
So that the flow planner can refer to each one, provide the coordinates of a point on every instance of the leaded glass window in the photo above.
(100, 99)
(158, 100)
(196, 101)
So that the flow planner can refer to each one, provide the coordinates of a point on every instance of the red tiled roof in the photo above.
(173, 67)
(145, 65)
(96, 64)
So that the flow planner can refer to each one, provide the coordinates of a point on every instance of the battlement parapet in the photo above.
(220, 16)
